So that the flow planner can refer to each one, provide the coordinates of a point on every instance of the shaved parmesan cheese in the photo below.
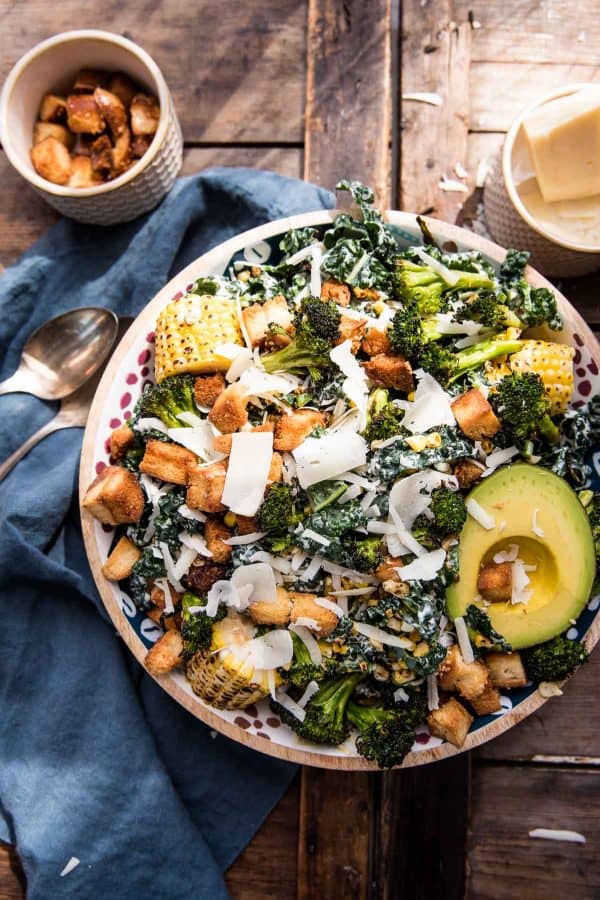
(445, 324)
(241, 539)
(195, 542)
(361, 577)
(188, 513)
(464, 642)
(481, 516)
(259, 577)
(311, 535)
(507, 555)
(534, 524)
(223, 592)
(319, 459)
(520, 580)
(498, 458)
(558, 834)
(198, 438)
(400, 695)
(355, 385)
(72, 864)
(150, 424)
(549, 689)
(360, 480)
(163, 584)
(430, 97)
(269, 651)
(330, 605)
(297, 559)
(460, 170)
(229, 350)
(351, 493)
(190, 418)
(315, 271)
(433, 697)
(411, 496)
(314, 651)
(276, 562)
(382, 637)
(248, 471)
(289, 468)
(239, 364)
(430, 407)
(352, 592)
(423, 568)
(185, 560)
(257, 382)
(307, 622)
(310, 690)
(294, 708)
(449, 184)
(450, 276)
(312, 568)
(170, 567)
(302, 254)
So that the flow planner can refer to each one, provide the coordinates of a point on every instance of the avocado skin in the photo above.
(565, 555)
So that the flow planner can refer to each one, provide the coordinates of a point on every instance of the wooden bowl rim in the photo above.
(144, 323)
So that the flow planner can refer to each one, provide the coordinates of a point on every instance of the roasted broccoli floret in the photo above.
(317, 328)
(522, 406)
(420, 284)
(438, 361)
(167, 400)
(303, 669)
(364, 554)
(478, 620)
(449, 511)
(325, 721)
(484, 307)
(554, 660)
(410, 331)
(383, 417)
(384, 735)
(277, 511)
(196, 626)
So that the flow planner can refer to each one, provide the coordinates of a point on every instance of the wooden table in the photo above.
(313, 88)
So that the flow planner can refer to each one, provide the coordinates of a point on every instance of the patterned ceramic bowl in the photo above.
(132, 367)
(509, 220)
(52, 65)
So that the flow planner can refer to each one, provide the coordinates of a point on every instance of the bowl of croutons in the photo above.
(86, 117)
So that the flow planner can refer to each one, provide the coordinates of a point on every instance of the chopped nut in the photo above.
(83, 114)
(51, 160)
(43, 130)
(53, 108)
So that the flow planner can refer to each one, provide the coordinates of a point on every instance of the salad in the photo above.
(359, 488)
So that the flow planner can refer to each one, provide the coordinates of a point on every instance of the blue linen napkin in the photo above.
(96, 761)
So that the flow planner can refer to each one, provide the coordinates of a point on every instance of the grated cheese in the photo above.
(507, 555)
(259, 578)
(400, 695)
(317, 538)
(170, 566)
(195, 542)
(276, 562)
(150, 424)
(431, 406)
(498, 458)
(238, 540)
(307, 622)
(330, 605)
(163, 584)
(198, 439)
(294, 708)
(310, 690)
(188, 513)
(355, 385)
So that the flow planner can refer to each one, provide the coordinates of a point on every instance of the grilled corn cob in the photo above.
(189, 329)
(220, 675)
(554, 364)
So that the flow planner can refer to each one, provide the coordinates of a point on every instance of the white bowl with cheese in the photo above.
(562, 234)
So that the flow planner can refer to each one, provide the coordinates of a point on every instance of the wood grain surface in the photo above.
(243, 77)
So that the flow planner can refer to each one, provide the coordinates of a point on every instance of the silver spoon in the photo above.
(73, 410)
(63, 353)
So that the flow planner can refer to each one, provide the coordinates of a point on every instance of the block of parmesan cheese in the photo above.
(564, 143)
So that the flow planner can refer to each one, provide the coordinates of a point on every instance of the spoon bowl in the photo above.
(63, 353)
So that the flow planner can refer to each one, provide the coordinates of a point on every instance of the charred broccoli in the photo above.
(196, 626)
(303, 669)
(325, 713)
(364, 554)
(522, 406)
(384, 419)
(386, 735)
(277, 512)
(449, 511)
(554, 660)
(420, 284)
(317, 328)
(167, 400)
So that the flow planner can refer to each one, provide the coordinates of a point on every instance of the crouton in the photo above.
(351, 330)
(291, 430)
(53, 108)
(215, 535)
(275, 469)
(101, 156)
(467, 472)
(82, 173)
(51, 160)
(365, 293)
(246, 524)
(506, 670)
(255, 320)
(229, 410)
(387, 370)
(387, 570)
(171, 622)
(82, 144)
(205, 487)
(207, 388)
(278, 313)
(87, 80)
(166, 654)
(43, 130)
(334, 290)
(166, 461)
(121, 85)
(488, 701)
(376, 342)
(157, 597)
(475, 416)
(222, 442)
(115, 497)
(122, 558)
(454, 674)
(121, 152)
(83, 114)
(145, 114)
(112, 109)
(272, 612)
(495, 582)
(139, 145)
(305, 607)
(121, 439)
(451, 722)
(202, 575)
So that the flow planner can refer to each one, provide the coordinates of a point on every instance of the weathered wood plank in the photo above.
(348, 95)
(12, 879)
(333, 849)
(267, 867)
(435, 57)
(508, 802)
(533, 31)
(236, 73)
(24, 216)
(423, 828)
(500, 91)
(565, 726)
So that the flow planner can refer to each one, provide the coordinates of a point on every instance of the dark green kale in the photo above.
(479, 621)
(554, 660)
(296, 239)
(335, 521)
(148, 566)
(389, 463)
(533, 306)
(579, 437)
(325, 493)
(169, 523)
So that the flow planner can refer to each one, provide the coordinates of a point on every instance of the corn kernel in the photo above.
(554, 365)
(230, 519)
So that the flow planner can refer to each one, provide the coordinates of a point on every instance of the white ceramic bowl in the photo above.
(122, 383)
(509, 220)
(52, 66)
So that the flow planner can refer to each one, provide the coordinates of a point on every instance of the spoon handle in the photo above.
(54, 424)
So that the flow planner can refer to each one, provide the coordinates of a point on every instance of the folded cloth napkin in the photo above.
(96, 761)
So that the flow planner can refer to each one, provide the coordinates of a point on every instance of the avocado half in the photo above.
(519, 497)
